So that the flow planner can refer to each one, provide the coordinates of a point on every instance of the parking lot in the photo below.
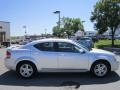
(54, 81)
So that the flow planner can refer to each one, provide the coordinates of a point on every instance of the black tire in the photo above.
(31, 66)
(106, 70)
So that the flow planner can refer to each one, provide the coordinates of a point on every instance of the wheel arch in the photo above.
(101, 60)
(23, 61)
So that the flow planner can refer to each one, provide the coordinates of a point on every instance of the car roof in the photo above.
(49, 40)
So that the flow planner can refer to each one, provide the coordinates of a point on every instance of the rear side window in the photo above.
(46, 46)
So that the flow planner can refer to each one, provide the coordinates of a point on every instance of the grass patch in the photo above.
(106, 43)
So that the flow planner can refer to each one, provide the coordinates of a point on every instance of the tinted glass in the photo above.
(47, 46)
(66, 47)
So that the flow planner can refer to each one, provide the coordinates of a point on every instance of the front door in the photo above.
(69, 57)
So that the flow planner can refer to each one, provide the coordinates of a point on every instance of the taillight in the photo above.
(8, 54)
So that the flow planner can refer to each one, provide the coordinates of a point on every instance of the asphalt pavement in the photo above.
(56, 81)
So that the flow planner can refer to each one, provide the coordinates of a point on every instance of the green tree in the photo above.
(77, 25)
(56, 31)
(68, 26)
(106, 16)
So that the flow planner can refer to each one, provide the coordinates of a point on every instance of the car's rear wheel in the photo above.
(26, 69)
(100, 69)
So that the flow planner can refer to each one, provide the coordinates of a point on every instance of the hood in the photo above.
(100, 51)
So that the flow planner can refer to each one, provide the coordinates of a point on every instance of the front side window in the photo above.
(66, 47)
(46, 46)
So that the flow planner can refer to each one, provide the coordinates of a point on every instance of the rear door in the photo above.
(47, 55)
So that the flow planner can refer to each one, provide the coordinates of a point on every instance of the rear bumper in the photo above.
(9, 64)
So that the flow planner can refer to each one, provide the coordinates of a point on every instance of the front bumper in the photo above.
(116, 66)
(116, 63)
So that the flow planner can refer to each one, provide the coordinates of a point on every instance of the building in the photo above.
(117, 33)
(79, 33)
(85, 33)
(4, 31)
(109, 33)
(90, 33)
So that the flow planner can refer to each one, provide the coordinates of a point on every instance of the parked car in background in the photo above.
(94, 38)
(5, 44)
(23, 42)
(86, 41)
(59, 55)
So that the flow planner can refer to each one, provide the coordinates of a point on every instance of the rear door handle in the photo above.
(61, 55)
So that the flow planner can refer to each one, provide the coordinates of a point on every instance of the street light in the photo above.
(58, 12)
(45, 32)
(83, 23)
(24, 27)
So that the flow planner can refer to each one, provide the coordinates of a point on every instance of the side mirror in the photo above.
(82, 51)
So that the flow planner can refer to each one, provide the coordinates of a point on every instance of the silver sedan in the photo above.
(59, 55)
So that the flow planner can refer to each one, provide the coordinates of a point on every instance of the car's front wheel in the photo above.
(26, 69)
(100, 69)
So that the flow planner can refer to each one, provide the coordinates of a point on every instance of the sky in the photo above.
(38, 15)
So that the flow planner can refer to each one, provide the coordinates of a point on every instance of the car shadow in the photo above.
(57, 79)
